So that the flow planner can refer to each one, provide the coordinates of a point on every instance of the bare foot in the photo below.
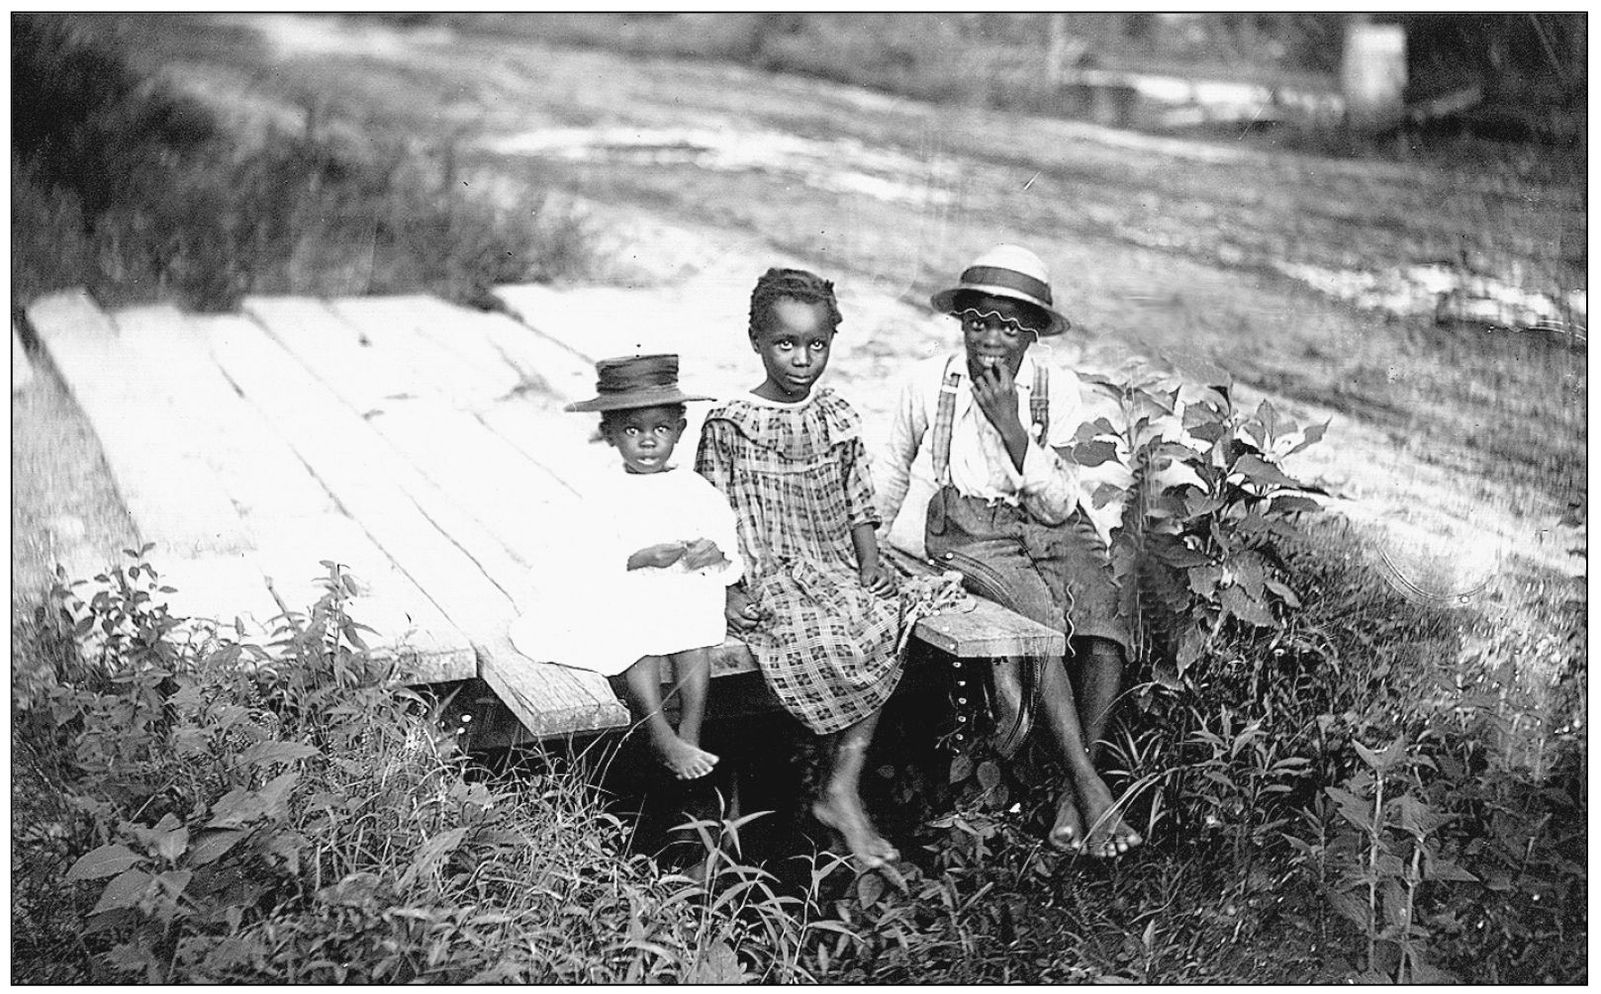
(1108, 834)
(1068, 832)
(843, 813)
(685, 761)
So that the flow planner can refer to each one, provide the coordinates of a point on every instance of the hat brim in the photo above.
(944, 300)
(634, 398)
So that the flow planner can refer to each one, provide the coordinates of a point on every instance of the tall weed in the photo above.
(1334, 781)
(195, 809)
(125, 186)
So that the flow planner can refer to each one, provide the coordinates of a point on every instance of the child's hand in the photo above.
(878, 579)
(743, 615)
(702, 552)
(658, 556)
(995, 392)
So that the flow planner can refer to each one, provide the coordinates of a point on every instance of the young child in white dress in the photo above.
(659, 549)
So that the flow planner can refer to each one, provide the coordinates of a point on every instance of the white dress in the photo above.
(585, 608)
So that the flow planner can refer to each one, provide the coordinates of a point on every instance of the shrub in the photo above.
(191, 809)
(1333, 779)
(127, 187)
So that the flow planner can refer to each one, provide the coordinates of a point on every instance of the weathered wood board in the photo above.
(988, 630)
(420, 444)
(215, 443)
(468, 570)
(21, 365)
(173, 497)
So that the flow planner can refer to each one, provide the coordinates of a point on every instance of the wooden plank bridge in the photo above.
(418, 443)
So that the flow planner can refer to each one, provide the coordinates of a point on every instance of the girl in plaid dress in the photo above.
(816, 607)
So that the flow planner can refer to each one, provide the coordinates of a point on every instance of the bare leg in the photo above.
(694, 672)
(1105, 834)
(1009, 703)
(686, 761)
(839, 804)
(1100, 667)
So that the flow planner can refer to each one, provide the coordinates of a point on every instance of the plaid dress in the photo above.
(796, 475)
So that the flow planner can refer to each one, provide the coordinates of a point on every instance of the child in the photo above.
(815, 607)
(1010, 511)
(660, 549)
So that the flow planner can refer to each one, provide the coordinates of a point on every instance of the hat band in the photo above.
(647, 373)
(1009, 278)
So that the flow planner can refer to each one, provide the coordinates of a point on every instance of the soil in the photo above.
(1461, 443)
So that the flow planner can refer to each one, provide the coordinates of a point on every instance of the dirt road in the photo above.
(700, 175)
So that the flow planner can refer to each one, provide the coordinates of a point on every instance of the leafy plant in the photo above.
(207, 810)
(124, 185)
(1204, 507)
(1384, 849)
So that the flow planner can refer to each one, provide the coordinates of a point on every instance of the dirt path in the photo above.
(701, 175)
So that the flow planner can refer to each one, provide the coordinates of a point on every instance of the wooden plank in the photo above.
(595, 323)
(444, 352)
(602, 322)
(498, 507)
(430, 331)
(21, 365)
(989, 630)
(173, 496)
(530, 306)
(514, 382)
(292, 521)
(400, 510)
(732, 657)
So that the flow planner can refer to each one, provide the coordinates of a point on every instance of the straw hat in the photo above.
(1009, 271)
(635, 381)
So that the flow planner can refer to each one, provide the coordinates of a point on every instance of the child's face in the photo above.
(995, 332)
(644, 436)
(794, 348)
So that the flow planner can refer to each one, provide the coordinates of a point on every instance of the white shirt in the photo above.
(1048, 485)
(586, 608)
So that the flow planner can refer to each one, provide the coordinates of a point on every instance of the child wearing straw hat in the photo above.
(1009, 512)
(660, 547)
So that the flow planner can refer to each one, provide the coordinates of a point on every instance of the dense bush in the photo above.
(1335, 781)
(192, 810)
(127, 187)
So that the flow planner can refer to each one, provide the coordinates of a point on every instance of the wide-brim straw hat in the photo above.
(1009, 271)
(635, 381)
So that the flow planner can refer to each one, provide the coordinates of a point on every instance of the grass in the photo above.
(386, 859)
(286, 813)
(184, 814)
(125, 186)
(1233, 776)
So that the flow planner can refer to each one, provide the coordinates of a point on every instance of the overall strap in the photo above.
(944, 419)
(1039, 402)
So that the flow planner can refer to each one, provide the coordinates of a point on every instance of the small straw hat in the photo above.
(1009, 271)
(635, 381)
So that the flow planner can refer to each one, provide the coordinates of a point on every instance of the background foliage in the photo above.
(124, 186)
(1336, 781)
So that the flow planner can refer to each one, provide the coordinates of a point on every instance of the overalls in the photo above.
(1058, 575)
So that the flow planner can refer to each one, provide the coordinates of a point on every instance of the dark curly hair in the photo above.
(796, 284)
